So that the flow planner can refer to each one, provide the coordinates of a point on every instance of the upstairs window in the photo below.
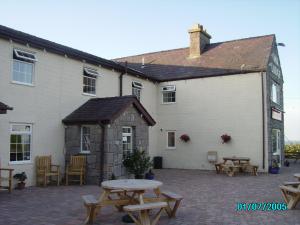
(169, 94)
(89, 81)
(275, 93)
(137, 89)
(23, 66)
(85, 139)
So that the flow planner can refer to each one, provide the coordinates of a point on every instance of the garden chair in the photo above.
(76, 168)
(7, 179)
(45, 169)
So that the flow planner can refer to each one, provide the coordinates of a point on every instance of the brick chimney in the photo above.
(198, 39)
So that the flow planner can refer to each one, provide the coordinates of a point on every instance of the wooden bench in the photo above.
(8, 179)
(219, 167)
(292, 183)
(172, 197)
(251, 168)
(143, 210)
(91, 203)
(291, 195)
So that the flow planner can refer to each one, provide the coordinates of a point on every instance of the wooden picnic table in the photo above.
(297, 175)
(240, 160)
(128, 195)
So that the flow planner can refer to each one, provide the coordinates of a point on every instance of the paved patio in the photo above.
(208, 199)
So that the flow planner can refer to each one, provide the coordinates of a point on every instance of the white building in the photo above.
(204, 91)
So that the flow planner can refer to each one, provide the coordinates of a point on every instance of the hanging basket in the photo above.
(185, 138)
(225, 138)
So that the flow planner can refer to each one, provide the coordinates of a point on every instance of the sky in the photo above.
(112, 29)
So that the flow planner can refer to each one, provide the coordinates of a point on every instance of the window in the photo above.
(23, 66)
(170, 139)
(20, 142)
(89, 81)
(169, 94)
(85, 139)
(276, 141)
(136, 89)
(127, 139)
(275, 93)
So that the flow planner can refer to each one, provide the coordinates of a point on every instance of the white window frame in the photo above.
(91, 71)
(168, 89)
(278, 142)
(130, 134)
(81, 139)
(19, 51)
(26, 60)
(92, 74)
(167, 141)
(30, 144)
(275, 93)
(137, 89)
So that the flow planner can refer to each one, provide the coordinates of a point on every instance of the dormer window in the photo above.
(168, 94)
(23, 66)
(137, 89)
(89, 81)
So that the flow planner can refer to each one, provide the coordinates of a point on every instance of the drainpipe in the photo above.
(102, 152)
(121, 80)
(263, 117)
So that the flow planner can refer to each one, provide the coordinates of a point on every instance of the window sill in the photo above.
(21, 83)
(85, 152)
(168, 103)
(87, 94)
(169, 148)
(19, 163)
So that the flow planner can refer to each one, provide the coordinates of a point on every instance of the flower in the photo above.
(225, 138)
(185, 138)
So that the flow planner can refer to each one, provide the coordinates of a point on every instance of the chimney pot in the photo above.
(199, 38)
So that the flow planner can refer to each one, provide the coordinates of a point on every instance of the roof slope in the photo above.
(4, 108)
(40, 43)
(106, 110)
(231, 57)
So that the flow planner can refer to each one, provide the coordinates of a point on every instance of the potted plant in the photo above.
(274, 168)
(137, 163)
(21, 177)
(185, 138)
(149, 175)
(225, 138)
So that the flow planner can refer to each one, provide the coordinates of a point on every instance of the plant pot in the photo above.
(274, 170)
(149, 176)
(138, 176)
(21, 185)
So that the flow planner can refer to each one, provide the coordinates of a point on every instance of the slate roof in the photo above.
(106, 110)
(223, 58)
(4, 108)
(40, 43)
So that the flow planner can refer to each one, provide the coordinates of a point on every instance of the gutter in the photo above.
(263, 118)
(102, 151)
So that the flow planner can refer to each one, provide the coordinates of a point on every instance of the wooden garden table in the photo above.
(297, 175)
(237, 159)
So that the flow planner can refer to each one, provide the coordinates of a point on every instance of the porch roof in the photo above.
(106, 110)
(4, 108)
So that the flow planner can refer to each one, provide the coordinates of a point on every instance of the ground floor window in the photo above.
(276, 143)
(20, 142)
(85, 139)
(171, 139)
(127, 139)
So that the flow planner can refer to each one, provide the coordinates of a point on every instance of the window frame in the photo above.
(277, 93)
(131, 135)
(137, 86)
(32, 75)
(89, 73)
(81, 139)
(278, 141)
(172, 88)
(24, 58)
(30, 143)
(167, 142)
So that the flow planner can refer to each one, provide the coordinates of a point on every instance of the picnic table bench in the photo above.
(233, 165)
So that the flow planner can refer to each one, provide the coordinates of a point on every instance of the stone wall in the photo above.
(274, 74)
(72, 144)
(113, 156)
(113, 144)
